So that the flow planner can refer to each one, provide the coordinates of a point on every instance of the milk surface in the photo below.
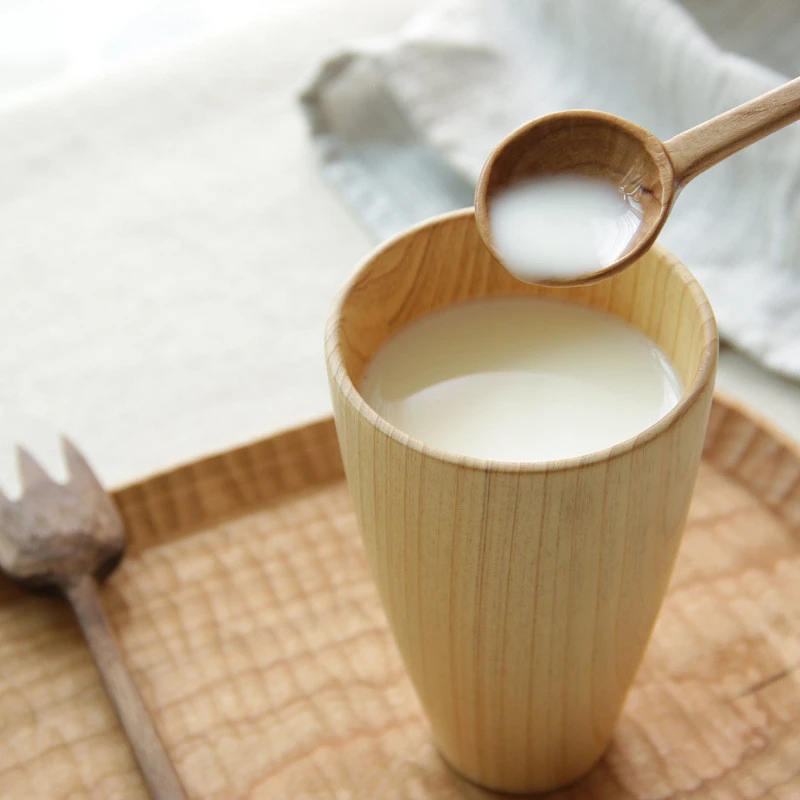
(562, 226)
(520, 379)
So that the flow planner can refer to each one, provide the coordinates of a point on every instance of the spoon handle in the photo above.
(157, 769)
(699, 148)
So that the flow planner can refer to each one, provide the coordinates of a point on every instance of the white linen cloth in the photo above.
(168, 248)
(405, 123)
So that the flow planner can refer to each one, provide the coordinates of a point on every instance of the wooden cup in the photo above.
(521, 595)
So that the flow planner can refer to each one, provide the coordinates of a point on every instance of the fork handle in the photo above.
(157, 769)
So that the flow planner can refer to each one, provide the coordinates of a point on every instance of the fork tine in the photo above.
(78, 467)
(83, 480)
(30, 471)
(4, 501)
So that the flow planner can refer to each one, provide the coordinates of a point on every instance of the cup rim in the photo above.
(691, 395)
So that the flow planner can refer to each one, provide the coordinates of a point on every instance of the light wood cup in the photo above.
(521, 595)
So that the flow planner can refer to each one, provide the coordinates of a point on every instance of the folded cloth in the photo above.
(404, 124)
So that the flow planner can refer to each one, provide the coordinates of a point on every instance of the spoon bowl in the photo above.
(602, 146)
(592, 144)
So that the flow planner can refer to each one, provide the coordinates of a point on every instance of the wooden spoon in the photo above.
(66, 538)
(600, 145)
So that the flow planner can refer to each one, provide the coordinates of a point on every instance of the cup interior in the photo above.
(445, 261)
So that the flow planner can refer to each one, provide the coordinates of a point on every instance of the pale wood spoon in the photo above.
(66, 538)
(600, 145)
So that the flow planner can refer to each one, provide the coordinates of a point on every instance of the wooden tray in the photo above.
(254, 631)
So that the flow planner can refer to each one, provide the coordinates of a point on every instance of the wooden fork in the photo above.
(66, 538)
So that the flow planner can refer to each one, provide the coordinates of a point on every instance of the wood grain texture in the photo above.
(521, 595)
(260, 646)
